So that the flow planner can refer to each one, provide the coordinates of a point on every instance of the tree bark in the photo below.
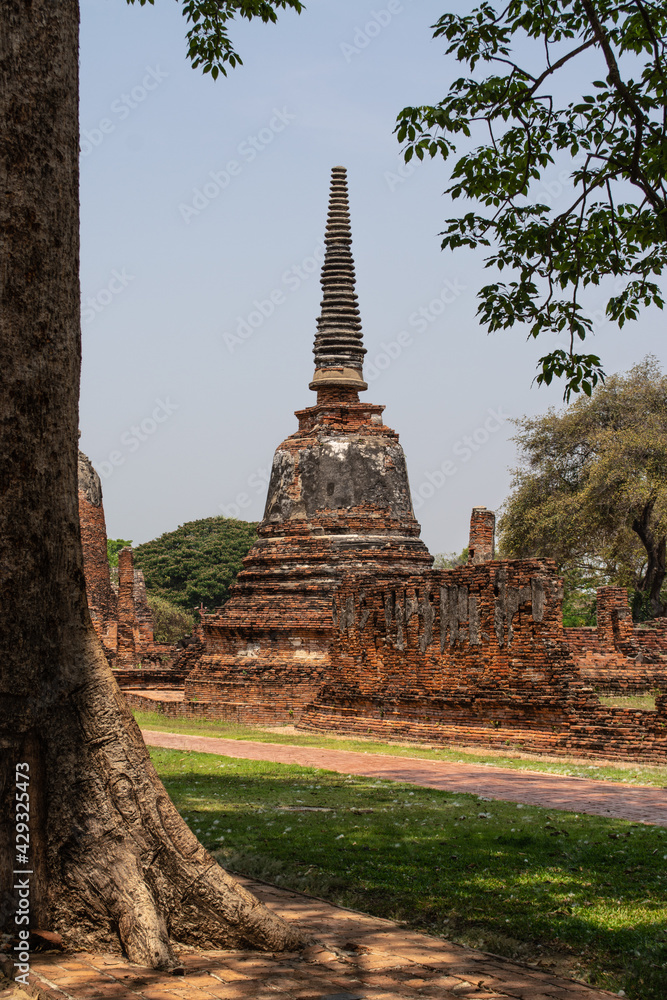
(656, 568)
(110, 859)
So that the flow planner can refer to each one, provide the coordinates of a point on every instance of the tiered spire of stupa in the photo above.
(339, 351)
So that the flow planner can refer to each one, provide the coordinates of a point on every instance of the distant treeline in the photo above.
(197, 563)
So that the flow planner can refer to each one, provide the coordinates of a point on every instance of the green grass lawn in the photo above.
(582, 895)
(631, 773)
(643, 702)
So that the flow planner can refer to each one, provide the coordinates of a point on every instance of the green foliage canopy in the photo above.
(170, 623)
(592, 490)
(580, 596)
(198, 562)
(617, 132)
(114, 545)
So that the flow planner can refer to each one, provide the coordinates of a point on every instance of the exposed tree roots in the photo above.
(120, 860)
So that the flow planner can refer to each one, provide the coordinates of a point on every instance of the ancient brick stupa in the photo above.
(338, 503)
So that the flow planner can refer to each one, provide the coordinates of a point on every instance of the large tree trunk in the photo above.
(651, 583)
(109, 856)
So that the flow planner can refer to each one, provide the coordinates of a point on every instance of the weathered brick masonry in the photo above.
(122, 620)
(126, 655)
(482, 542)
(101, 597)
(136, 643)
(618, 656)
(476, 654)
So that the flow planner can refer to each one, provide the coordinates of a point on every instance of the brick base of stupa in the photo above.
(338, 505)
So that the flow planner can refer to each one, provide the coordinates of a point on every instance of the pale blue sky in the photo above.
(175, 261)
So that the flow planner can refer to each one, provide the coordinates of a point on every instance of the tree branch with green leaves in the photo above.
(615, 137)
(209, 44)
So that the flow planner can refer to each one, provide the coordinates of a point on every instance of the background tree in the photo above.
(110, 858)
(197, 563)
(449, 560)
(616, 134)
(592, 490)
(114, 545)
(170, 623)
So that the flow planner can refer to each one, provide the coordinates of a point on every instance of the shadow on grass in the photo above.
(585, 892)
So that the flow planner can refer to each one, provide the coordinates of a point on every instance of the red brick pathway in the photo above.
(600, 798)
(356, 957)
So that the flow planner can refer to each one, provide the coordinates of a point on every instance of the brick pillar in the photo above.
(198, 629)
(482, 543)
(143, 615)
(101, 598)
(127, 654)
(613, 614)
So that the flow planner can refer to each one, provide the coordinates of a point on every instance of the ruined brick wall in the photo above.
(617, 656)
(261, 676)
(142, 612)
(136, 645)
(651, 636)
(613, 616)
(483, 639)
(101, 598)
(613, 673)
(611, 733)
(150, 677)
(259, 713)
(125, 651)
(187, 658)
(123, 619)
(475, 654)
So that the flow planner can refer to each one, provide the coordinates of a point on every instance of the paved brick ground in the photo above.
(356, 957)
(555, 791)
